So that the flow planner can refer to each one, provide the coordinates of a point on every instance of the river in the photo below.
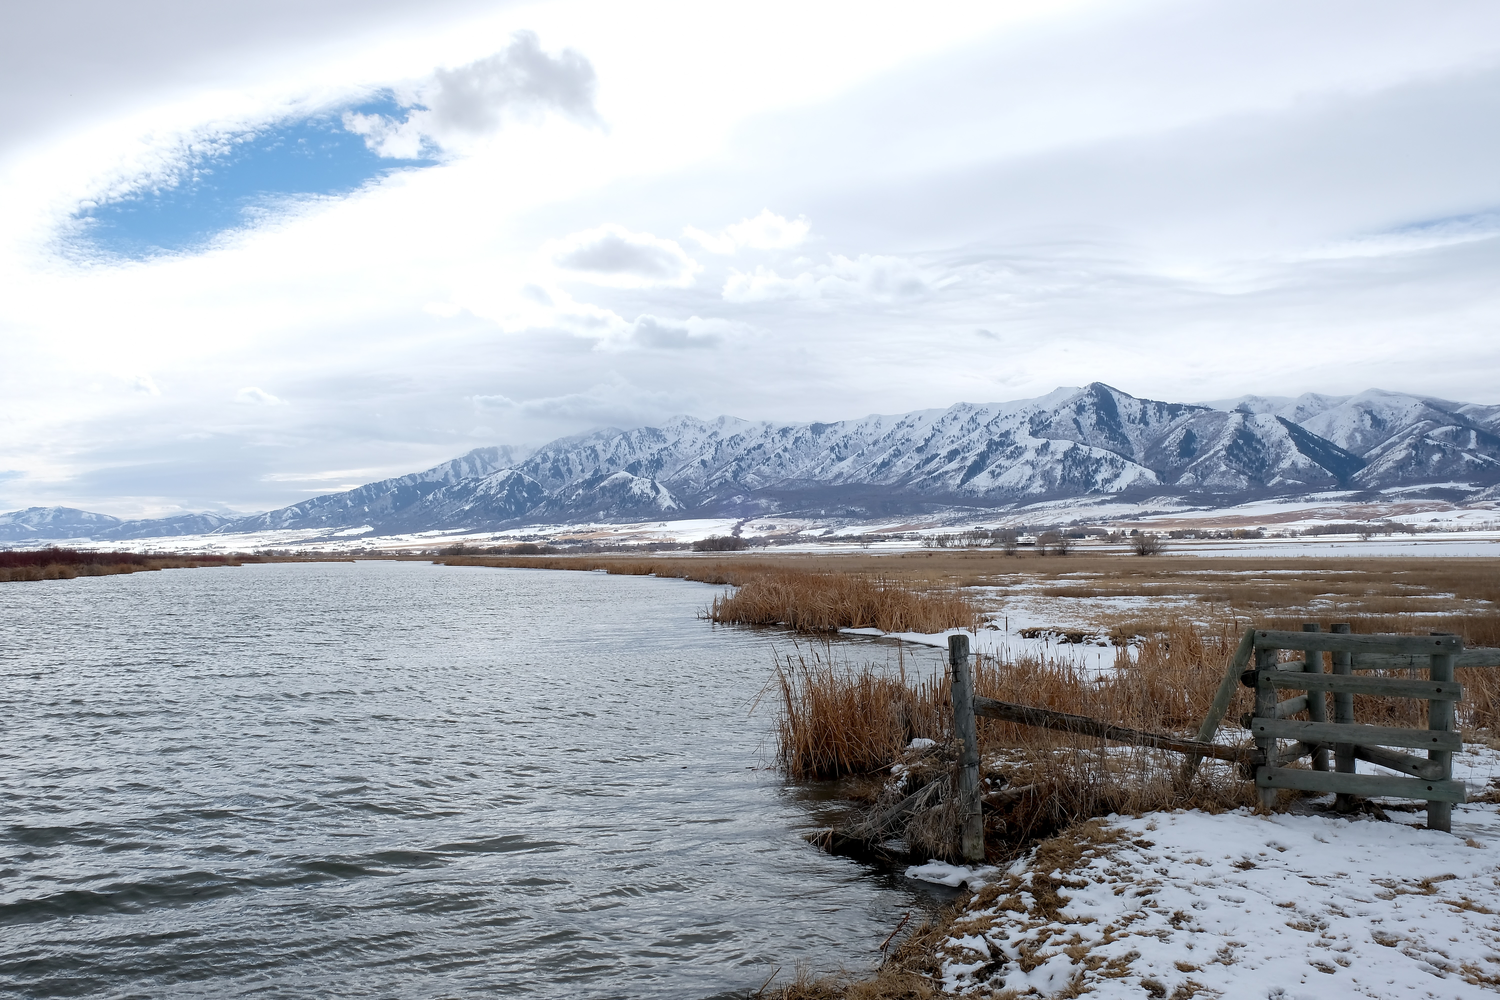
(397, 779)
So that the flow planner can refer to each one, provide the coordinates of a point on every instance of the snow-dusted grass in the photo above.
(1238, 905)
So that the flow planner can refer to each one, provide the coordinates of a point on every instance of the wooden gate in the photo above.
(1432, 776)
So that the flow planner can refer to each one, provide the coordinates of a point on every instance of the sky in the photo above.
(253, 253)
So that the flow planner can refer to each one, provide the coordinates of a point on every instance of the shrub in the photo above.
(720, 543)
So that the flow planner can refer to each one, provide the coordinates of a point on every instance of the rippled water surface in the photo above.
(398, 779)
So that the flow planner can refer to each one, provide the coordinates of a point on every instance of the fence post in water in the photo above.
(965, 730)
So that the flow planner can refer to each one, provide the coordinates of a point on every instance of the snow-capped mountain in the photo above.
(1399, 438)
(1095, 441)
(46, 523)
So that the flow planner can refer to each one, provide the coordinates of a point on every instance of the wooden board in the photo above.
(1390, 687)
(1375, 736)
(1359, 784)
(1334, 642)
(1481, 657)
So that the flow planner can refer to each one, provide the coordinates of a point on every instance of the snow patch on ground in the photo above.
(1239, 905)
(953, 876)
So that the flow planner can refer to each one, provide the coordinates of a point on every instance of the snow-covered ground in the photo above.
(1094, 653)
(1238, 905)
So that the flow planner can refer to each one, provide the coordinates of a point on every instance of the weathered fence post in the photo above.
(1317, 704)
(1227, 687)
(966, 731)
(1343, 711)
(1265, 708)
(1440, 716)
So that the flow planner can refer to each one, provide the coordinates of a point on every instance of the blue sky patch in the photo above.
(258, 171)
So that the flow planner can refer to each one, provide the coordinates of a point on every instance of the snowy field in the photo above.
(1236, 905)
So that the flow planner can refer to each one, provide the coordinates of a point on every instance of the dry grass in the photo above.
(69, 564)
(823, 601)
(839, 718)
(835, 719)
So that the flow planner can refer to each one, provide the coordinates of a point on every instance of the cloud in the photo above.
(615, 403)
(671, 335)
(767, 231)
(456, 106)
(256, 396)
(144, 384)
(612, 255)
(868, 277)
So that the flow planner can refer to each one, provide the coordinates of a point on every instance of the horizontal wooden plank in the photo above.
(1477, 657)
(1337, 642)
(1290, 707)
(1082, 725)
(1359, 784)
(1388, 687)
(1405, 763)
(1340, 732)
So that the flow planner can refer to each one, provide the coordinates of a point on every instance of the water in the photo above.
(401, 780)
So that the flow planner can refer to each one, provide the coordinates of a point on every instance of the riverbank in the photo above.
(69, 564)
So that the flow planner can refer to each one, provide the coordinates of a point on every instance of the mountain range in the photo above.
(1094, 441)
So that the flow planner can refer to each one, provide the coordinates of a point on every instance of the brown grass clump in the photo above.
(820, 602)
(835, 720)
(909, 972)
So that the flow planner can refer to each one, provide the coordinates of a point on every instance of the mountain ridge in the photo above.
(1093, 440)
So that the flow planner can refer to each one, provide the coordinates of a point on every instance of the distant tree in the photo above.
(1009, 539)
(1047, 541)
(1064, 543)
(720, 543)
(1146, 544)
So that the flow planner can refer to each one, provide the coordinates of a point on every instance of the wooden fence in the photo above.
(1271, 721)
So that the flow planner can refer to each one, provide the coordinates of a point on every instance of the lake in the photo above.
(403, 780)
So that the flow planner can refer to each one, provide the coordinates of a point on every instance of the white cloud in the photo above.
(868, 277)
(256, 396)
(615, 402)
(456, 106)
(144, 384)
(616, 257)
(766, 231)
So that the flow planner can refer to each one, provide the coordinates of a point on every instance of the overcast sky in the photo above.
(251, 253)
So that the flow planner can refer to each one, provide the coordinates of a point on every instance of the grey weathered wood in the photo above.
(1317, 703)
(1416, 766)
(1265, 711)
(1008, 795)
(1082, 725)
(875, 829)
(1477, 657)
(1272, 778)
(1222, 699)
(1377, 736)
(1343, 712)
(1289, 707)
(1333, 642)
(1400, 762)
(1440, 720)
(1389, 687)
(971, 834)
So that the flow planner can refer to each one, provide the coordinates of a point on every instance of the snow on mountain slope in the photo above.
(384, 504)
(1073, 442)
(52, 522)
(1412, 439)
